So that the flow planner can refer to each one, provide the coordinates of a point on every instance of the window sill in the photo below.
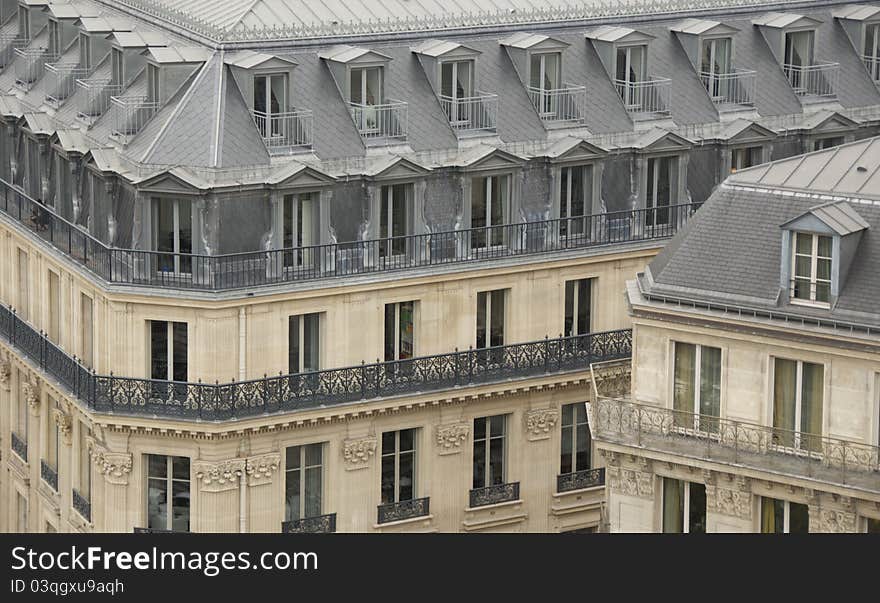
(809, 304)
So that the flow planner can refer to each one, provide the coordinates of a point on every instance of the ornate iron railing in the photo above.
(759, 446)
(82, 505)
(19, 446)
(322, 524)
(259, 268)
(471, 114)
(493, 495)
(647, 96)
(813, 80)
(735, 88)
(383, 121)
(579, 480)
(405, 509)
(153, 531)
(288, 393)
(49, 474)
(566, 104)
(285, 132)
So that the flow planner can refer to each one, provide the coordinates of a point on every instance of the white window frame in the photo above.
(459, 109)
(686, 504)
(396, 455)
(814, 261)
(169, 347)
(576, 304)
(169, 492)
(300, 232)
(632, 97)
(871, 55)
(117, 66)
(547, 96)
(396, 306)
(798, 398)
(698, 369)
(487, 437)
(651, 203)
(573, 427)
(488, 329)
(566, 175)
(714, 82)
(386, 208)
(175, 231)
(505, 180)
(301, 328)
(303, 467)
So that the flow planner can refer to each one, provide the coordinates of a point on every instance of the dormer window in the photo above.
(545, 71)
(456, 87)
(811, 268)
(85, 52)
(152, 83)
(117, 68)
(630, 71)
(24, 23)
(799, 48)
(270, 102)
(716, 65)
(54, 38)
(872, 50)
(365, 92)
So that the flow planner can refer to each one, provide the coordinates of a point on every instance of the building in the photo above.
(755, 399)
(268, 266)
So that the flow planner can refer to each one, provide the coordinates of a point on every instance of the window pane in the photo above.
(497, 334)
(784, 385)
(407, 439)
(311, 342)
(293, 351)
(292, 494)
(313, 492)
(157, 504)
(804, 244)
(798, 519)
(180, 506)
(566, 454)
(388, 476)
(479, 463)
(446, 79)
(772, 516)
(683, 385)
(497, 425)
(583, 310)
(356, 86)
(584, 444)
(180, 467)
(673, 506)
(180, 352)
(390, 335)
(697, 509)
(482, 303)
(569, 308)
(158, 349)
(314, 455)
(812, 383)
(292, 458)
(407, 330)
(496, 461)
(157, 466)
(407, 476)
(710, 381)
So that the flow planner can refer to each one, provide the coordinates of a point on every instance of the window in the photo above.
(798, 390)
(872, 50)
(54, 308)
(398, 466)
(745, 157)
(168, 350)
(544, 78)
(576, 439)
(85, 52)
(811, 268)
(575, 198)
(303, 343)
(54, 39)
(578, 298)
(21, 513)
(799, 56)
(715, 63)
(630, 69)
(826, 143)
(168, 493)
(783, 517)
(697, 386)
(117, 67)
(365, 92)
(872, 525)
(684, 507)
(24, 298)
(172, 234)
(86, 334)
(270, 102)
(659, 195)
(490, 451)
(24, 23)
(20, 418)
(490, 318)
(489, 209)
(394, 219)
(456, 89)
(84, 477)
(399, 331)
(152, 83)
(300, 229)
(53, 439)
(303, 481)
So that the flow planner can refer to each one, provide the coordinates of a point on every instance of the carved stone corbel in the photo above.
(539, 422)
(450, 438)
(30, 388)
(261, 468)
(357, 452)
(64, 421)
(114, 466)
(219, 476)
(5, 370)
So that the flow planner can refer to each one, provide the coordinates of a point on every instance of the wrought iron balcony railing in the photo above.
(493, 495)
(813, 80)
(760, 447)
(579, 480)
(301, 391)
(872, 64)
(61, 80)
(405, 509)
(285, 132)
(130, 113)
(566, 104)
(153, 531)
(82, 505)
(49, 475)
(735, 88)
(94, 98)
(9, 43)
(645, 97)
(259, 268)
(19, 446)
(472, 114)
(385, 121)
(29, 65)
(322, 524)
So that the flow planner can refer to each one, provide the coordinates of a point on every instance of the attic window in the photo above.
(811, 268)
(872, 50)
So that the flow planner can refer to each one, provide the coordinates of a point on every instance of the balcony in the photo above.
(82, 506)
(813, 81)
(730, 90)
(561, 106)
(130, 114)
(580, 480)
(19, 446)
(152, 531)
(830, 460)
(9, 43)
(61, 81)
(872, 64)
(322, 524)
(378, 123)
(290, 393)
(645, 99)
(95, 97)
(29, 65)
(285, 133)
(259, 268)
(471, 115)
(403, 510)
(493, 495)
(49, 475)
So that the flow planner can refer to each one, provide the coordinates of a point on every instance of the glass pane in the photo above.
(479, 463)
(311, 342)
(260, 94)
(180, 467)
(446, 88)
(157, 504)
(388, 477)
(478, 211)
(566, 465)
(812, 384)
(293, 351)
(710, 385)
(356, 86)
(407, 476)
(584, 445)
(535, 71)
(482, 307)
(683, 384)
(480, 428)
(179, 351)
(180, 506)
(292, 457)
(292, 499)
(784, 386)
(496, 461)
(157, 466)
(772, 516)
(496, 425)
(374, 90)
(497, 333)
(798, 519)
(158, 350)
(314, 455)
(568, 414)
(278, 98)
(463, 81)
(407, 330)
(407, 440)
(583, 310)
(313, 492)
(697, 509)
(673, 506)
(569, 308)
(390, 335)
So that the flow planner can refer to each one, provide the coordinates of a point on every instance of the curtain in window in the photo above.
(784, 385)
(772, 516)
(811, 405)
(673, 506)
(683, 384)
(710, 387)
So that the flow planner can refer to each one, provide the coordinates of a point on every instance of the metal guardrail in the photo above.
(404, 509)
(130, 114)
(29, 65)
(736, 88)
(82, 505)
(301, 391)
(647, 96)
(566, 104)
(493, 495)
(388, 120)
(872, 64)
(61, 80)
(813, 80)
(322, 524)
(285, 132)
(95, 99)
(19, 446)
(9, 43)
(579, 480)
(49, 475)
(472, 114)
(258, 268)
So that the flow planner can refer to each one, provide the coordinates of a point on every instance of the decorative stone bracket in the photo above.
(64, 420)
(114, 466)
(31, 390)
(539, 422)
(261, 468)
(732, 497)
(630, 481)
(450, 438)
(357, 452)
(219, 476)
(5, 370)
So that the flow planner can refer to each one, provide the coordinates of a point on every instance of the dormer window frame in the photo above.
(871, 52)
(55, 49)
(274, 118)
(457, 103)
(364, 68)
(812, 280)
(786, 59)
(632, 95)
(154, 82)
(24, 22)
(85, 50)
(117, 66)
(716, 79)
